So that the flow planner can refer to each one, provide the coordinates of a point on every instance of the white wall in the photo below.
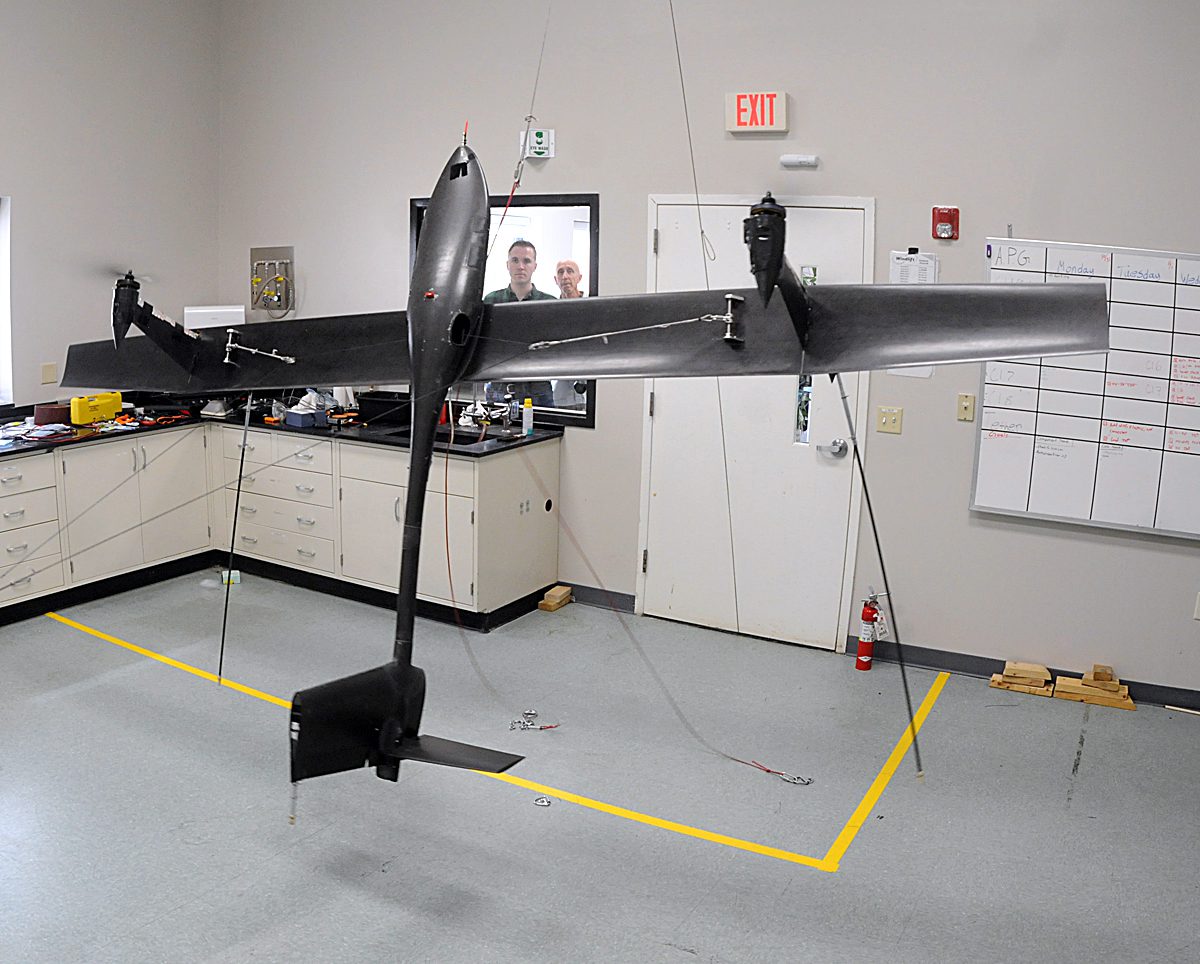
(1068, 123)
(108, 151)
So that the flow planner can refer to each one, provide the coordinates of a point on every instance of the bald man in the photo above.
(568, 276)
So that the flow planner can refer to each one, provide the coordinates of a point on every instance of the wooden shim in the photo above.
(1027, 670)
(1102, 672)
(558, 594)
(1112, 685)
(998, 682)
(1068, 684)
(549, 607)
(1096, 697)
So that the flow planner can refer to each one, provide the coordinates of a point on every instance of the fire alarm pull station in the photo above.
(945, 224)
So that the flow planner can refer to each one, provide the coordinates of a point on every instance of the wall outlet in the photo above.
(49, 373)
(890, 419)
(966, 407)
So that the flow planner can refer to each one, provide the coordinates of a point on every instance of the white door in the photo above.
(746, 525)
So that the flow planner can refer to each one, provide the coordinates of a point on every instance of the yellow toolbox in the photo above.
(86, 409)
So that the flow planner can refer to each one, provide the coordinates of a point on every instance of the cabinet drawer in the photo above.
(27, 508)
(307, 552)
(24, 475)
(263, 510)
(30, 577)
(377, 463)
(258, 445)
(304, 452)
(283, 483)
(31, 542)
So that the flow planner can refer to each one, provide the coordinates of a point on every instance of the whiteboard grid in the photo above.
(1109, 439)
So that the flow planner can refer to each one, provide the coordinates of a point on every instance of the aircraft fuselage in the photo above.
(445, 308)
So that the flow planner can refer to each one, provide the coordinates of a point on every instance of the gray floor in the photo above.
(143, 811)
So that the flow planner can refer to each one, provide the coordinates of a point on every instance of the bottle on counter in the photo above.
(527, 417)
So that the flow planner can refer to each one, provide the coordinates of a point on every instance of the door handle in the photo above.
(133, 452)
(396, 509)
(837, 448)
(144, 460)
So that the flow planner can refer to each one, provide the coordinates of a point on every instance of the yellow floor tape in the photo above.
(829, 863)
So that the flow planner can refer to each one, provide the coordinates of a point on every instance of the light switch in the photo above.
(889, 418)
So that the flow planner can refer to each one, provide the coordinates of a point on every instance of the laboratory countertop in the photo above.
(468, 443)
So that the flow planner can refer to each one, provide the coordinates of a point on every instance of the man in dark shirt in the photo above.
(521, 264)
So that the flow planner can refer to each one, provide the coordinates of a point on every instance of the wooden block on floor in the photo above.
(1068, 688)
(558, 594)
(1102, 672)
(1112, 685)
(1026, 670)
(548, 607)
(1029, 686)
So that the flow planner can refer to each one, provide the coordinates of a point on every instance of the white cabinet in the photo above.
(134, 500)
(285, 509)
(496, 516)
(30, 550)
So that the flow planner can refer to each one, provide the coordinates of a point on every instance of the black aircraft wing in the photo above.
(343, 350)
(850, 328)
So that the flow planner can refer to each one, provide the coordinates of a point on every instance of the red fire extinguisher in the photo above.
(873, 628)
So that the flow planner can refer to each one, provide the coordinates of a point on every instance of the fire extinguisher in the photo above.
(873, 627)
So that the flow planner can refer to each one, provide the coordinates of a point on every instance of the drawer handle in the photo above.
(247, 446)
(250, 539)
(306, 552)
(21, 548)
(14, 514)
(305, 456)
(306, 489)
(248, 479)
(248, 508)
(10, 479)
(306, 522)
(17, 582)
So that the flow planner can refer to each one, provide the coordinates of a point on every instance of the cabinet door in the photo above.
(100, 490)
(173, 486)
(371, 527)
(371, 514)
(433, 580)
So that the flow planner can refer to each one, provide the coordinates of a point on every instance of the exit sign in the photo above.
(756, 111)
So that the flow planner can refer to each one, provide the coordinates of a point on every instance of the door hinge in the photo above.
(71, 563)
(651, 412)
(472, 517)
(341, 559)
(656, 241)
(64, 461)
(204, 439)
(645, 558)
(210, 532)
(339, 493)
(472, 593)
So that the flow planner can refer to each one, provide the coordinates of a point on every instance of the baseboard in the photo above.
(984, 666)
(621, 602)
(91, 591)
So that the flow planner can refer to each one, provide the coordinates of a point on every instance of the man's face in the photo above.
(521, 264)
(568, 278)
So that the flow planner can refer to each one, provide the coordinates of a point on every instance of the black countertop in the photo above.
(467, 442)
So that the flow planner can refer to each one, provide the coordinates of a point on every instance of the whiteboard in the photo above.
(1109, 439)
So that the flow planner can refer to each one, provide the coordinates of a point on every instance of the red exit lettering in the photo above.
(756, 110)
